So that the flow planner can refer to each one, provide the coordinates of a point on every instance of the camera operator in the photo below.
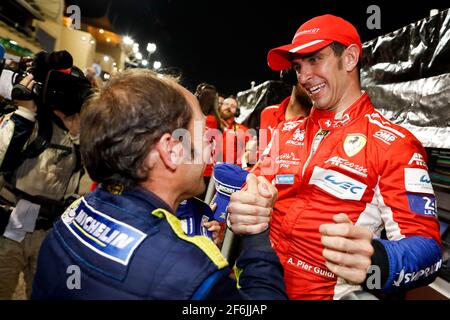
(40, 169)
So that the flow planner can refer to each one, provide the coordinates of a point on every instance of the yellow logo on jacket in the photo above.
(354, 143)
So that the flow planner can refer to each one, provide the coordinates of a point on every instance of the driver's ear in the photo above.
(351, 57)
(170, 151)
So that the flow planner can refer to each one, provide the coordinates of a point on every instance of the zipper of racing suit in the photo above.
(318, 137)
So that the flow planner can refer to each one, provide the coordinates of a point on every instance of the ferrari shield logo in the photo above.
(354, 143)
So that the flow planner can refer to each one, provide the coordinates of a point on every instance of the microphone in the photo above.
(193, 213)
(59, 60)
(229, 178)
(43, 62)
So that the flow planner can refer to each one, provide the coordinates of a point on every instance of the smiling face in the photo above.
(199, 151)
(329, 79)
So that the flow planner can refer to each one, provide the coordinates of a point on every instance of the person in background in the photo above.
(220, 102)
(234, 134)
(35, 182)
(95, 80)
(297, 105)
(294, 107)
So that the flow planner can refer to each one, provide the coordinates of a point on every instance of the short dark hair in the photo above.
(338, 49)
(123, 121)
(207, 96)
(208, 99)
(204, 86)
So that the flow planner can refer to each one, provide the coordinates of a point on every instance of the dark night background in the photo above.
(226, 42)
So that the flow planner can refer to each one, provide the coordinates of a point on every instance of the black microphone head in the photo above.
(59, 60)
(44, 62)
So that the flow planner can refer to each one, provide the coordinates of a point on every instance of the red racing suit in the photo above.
(234, 139)
(211, 123)
(361, 164)
(272, 116)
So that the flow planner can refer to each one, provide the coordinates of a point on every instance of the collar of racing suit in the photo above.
(329, 120)
(280, 112)
(138, 195)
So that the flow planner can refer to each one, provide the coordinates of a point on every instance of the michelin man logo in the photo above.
(70, 213)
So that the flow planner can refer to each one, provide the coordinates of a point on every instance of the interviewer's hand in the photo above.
(217, 231)
(347, 248)
(250, 209)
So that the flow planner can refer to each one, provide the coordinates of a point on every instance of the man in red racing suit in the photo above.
(297, 104)
(347, 158)
(365, 166)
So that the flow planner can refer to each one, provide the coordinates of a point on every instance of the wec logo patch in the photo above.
(337, 184)
(346, 185)
(418, 181)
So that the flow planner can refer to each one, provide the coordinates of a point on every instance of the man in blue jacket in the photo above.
(123, 240)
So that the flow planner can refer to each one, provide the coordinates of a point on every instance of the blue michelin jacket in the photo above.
(128, 245)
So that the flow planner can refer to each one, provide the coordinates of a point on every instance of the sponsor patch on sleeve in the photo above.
(337, 184)
(418, 160)
(421, 204)
(418, 181)
(104, 235)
